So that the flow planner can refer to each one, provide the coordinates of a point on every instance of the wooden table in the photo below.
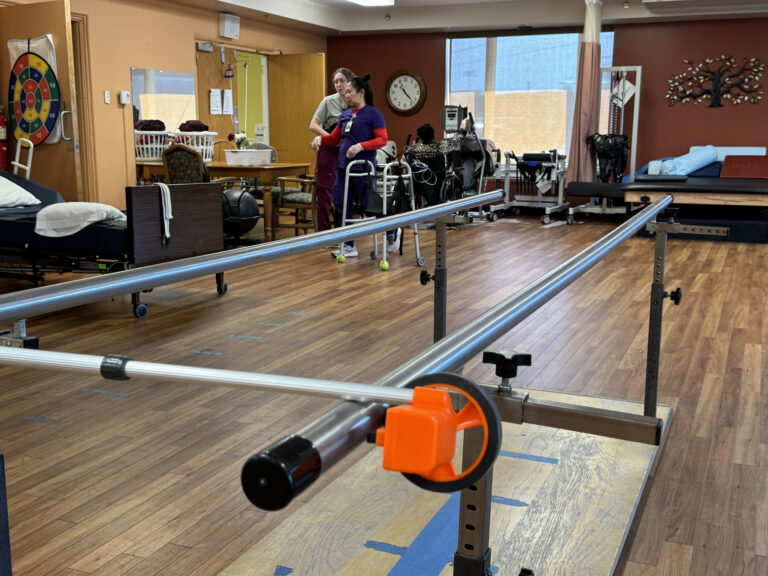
(266, 174)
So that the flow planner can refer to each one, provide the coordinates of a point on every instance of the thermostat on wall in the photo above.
(229, 26)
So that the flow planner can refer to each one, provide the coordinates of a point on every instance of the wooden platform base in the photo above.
(563, 504)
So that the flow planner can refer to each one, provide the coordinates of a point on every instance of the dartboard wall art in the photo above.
(33, 98)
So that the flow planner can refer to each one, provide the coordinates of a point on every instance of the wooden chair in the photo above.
(294, 197)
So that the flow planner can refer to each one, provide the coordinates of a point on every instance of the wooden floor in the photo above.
(142, 477)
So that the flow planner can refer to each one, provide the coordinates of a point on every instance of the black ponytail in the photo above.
(362, 84)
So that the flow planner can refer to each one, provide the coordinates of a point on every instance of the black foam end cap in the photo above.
(274, 476)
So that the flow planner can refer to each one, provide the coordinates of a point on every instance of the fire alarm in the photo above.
(229, 26)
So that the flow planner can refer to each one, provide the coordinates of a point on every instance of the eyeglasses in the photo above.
(348, 127)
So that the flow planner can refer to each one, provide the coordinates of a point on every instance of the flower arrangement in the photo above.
(240, 140)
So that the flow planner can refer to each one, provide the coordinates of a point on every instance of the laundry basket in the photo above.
(247, 157)
(200, 141)
(150, 145)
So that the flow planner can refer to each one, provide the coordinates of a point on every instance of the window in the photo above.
(520, 89)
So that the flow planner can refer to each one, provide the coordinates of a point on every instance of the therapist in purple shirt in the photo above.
(360, 132)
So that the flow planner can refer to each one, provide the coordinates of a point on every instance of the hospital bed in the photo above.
(113, 245)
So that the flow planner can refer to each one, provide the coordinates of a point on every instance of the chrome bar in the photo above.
(274, 383)
(46, 299)
(339, 430)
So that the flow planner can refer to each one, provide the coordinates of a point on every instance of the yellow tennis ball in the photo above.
(340, 259)
(384, 265)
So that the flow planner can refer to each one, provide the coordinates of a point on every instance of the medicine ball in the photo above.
(240, 210)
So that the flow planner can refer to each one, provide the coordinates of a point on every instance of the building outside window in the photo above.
(521, 89)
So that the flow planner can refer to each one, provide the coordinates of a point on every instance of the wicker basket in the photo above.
(247, 157)
(150, 145)
(200, 141)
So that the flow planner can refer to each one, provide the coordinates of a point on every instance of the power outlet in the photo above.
(125, 97)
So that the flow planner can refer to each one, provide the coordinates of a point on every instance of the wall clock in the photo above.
(406, 92)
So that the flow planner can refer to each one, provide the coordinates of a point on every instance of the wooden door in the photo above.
(211, 74)
(54, 165)
(296, 87)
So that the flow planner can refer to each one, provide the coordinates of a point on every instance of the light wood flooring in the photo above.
(142, 477)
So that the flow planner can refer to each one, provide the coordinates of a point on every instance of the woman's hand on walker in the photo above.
(354, 150)
(315, 143)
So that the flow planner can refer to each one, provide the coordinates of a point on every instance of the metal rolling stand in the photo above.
(551, 203)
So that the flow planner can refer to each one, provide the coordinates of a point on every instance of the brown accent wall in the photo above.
(382, 54)
(660, 48)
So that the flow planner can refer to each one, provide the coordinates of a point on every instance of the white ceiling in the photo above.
(341, 17)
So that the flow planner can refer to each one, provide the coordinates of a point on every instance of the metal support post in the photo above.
(441, 280)
(654, 325)
(473, 556)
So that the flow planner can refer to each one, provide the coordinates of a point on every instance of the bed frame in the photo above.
(193, 232)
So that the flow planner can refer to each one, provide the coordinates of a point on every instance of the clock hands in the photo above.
(406, 93)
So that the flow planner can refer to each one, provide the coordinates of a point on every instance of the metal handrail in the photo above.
(339, 430)
(35, 301)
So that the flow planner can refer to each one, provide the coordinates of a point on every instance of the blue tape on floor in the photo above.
(272, 324)
(105, 392)
(282, 571)
(435, 545)
(507, 501)
(384, 547)
(521, 456)
(207, 352)
(304, 314)
(246, 337)
(639, 293)
(39, 419)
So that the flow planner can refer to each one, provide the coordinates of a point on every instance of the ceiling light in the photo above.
(373, 2)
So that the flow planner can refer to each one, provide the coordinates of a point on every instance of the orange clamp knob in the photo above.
(420, 437)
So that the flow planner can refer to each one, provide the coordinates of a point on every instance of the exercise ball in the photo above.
(240, 210)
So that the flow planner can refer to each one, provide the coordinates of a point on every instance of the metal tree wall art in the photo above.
(716, 80)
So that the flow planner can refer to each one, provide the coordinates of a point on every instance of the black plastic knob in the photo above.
(425, 277)
(676, 295)
(506, 361)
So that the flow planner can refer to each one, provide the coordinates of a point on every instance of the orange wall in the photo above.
(660, 48)
(158, 35)
(381, 55)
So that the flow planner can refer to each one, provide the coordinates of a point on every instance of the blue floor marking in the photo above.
(507, 501)
(208, 352)
(246, 337)
(435, 545)
(105, 392)
(304, 314)
(384, 547)
(282, 571)
(521, 456)
(272, 324)
(39, 419)
(639, 293)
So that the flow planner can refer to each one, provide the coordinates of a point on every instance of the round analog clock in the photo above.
(406, 92)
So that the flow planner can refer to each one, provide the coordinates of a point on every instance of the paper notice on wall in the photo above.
(215, 102)
(227, 102)
(622, 93)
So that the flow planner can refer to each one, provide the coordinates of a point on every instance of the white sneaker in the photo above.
(394, 245)
(347, 251)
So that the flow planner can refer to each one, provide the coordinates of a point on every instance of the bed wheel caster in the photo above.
(569, 220)
(140, 310)
(491, 217)
(222, 288)
(420, 262)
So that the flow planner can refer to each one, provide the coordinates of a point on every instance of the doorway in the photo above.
(87, 171)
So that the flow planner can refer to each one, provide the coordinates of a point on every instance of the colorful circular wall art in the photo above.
(33, 98)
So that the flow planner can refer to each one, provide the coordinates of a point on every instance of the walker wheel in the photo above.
(569, 220)
(479, 411)
(545, 219)
(140, 310)
(372, 254)
(420, 261)
(222, 288)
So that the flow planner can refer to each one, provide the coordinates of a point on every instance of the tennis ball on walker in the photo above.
(384, 265)
(340, 259)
